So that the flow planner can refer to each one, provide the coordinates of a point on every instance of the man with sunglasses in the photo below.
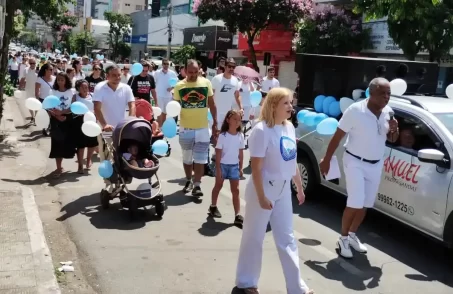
(163, 89)
(226, 91)
(125, 75)
(368, 124)
(143, 85)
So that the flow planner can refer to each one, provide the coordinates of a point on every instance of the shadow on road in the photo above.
(178, 198)
(386, 235)
(114, 218)
(31, 137)
(212, 228)
(66, 177)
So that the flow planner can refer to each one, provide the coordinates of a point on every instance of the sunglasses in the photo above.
(32, 63)
(166, 63)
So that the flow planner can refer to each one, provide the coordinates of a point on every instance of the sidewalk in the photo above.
(25, 260)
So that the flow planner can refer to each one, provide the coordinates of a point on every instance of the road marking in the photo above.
(319, 249)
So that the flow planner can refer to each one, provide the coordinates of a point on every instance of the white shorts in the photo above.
(362, 181)
(162, 103)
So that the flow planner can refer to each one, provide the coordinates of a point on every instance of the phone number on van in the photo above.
(396, 204)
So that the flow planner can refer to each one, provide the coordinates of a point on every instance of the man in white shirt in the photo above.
(369, 124)
(269, 82)
(226, 92)
(111, 99)
(22, 67)
(163, 88)
(125, 75)
(29, 79)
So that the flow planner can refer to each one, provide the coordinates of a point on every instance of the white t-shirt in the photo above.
(277, 146)
(366, 133)
(268, 84)
(31, 75)
(88, 101)
(22, 68)
(114, 103)
(224, 90)
(46, 87)
(244, 90)
(79, 76)
(125, 78)
(230, 145)
(163, 83)
(65, 98)
(14, 65)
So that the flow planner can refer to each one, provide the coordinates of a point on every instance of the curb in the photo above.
(46, 281)
(7, 121)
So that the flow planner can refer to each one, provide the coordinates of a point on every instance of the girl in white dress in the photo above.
(273, 150)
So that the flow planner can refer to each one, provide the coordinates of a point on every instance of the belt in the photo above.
(362, 159)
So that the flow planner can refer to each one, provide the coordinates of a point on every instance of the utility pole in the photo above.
(170, 27)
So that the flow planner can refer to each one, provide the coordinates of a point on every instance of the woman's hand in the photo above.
(265, 203)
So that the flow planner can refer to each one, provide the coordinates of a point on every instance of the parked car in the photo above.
(416, 186)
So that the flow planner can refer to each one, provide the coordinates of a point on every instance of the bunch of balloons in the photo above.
(327, 105)
(324, 125)
(169, 127)
(99, 57)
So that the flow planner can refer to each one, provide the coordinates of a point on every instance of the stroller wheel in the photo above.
(133, 207)
(160, 209)
(105, 199)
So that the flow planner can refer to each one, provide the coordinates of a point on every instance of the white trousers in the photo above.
(254, 230)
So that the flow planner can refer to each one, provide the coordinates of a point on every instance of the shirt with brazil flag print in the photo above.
(193, 97)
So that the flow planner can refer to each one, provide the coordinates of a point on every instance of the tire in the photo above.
(160, 209)
(133, 207)
(305, 166)
(105, 199)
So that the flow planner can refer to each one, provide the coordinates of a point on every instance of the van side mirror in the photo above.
(431, 156)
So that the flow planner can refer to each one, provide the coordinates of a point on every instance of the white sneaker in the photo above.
(344, 248)
(357, 245)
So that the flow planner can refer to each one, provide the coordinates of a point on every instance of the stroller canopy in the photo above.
(144, 109)
(132, 128)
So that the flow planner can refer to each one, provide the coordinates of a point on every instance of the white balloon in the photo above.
(18, 94)
(173, 109)
(42, 119)
(449, 91)
(357, 93)
(398, 87)
(91, 129)
(33, 104)
(156, 111)
(89, 116)
(345, 103)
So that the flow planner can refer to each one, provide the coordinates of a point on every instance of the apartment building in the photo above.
(120, 6)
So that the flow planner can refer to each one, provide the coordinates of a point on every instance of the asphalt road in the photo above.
(187, 253)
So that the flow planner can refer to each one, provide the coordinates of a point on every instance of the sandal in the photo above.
(80, 171)
(57, 173)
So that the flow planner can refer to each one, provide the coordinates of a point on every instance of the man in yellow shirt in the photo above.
(195, 95)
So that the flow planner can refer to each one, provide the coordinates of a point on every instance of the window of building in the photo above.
(138, 7)
(127, 4)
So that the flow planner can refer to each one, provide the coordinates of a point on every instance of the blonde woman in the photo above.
(272, 146)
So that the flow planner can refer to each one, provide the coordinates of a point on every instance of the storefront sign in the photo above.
(140, 39)
(268, 40)
(208, 38)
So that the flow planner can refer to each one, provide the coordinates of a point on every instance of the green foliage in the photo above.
(183, 54)
(120, 25)
(250, 17)
(19, 24)
(124, 49)
(415, 25)
(61, 26)
(8, 88)
(80, 41)
(332, 31)
(29, 38)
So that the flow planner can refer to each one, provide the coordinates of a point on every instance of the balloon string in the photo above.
(306, 135)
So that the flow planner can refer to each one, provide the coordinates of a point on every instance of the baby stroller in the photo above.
(144, 109)
(138, 132)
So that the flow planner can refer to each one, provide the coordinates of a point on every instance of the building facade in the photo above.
(2, 20)
(139, 37)
(101, 6)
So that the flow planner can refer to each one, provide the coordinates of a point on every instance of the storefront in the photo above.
(277, 41)
(210, 42)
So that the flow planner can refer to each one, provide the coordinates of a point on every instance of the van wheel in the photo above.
(307, 174)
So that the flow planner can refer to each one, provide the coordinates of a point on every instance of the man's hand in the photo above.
(241, 112)
(300, 194)
(393, 126)
(324, 166)
(169, 89)
(107, 128)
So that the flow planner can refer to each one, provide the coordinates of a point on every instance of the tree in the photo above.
(79, 42)
(120, 25)
(124, 49)
(330, 30)
(61, 26)
(252, 16)
(183, 54)
(29, 39)
(415, 25)
(46, 9)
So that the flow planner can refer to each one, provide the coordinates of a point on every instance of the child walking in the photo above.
(229, 159)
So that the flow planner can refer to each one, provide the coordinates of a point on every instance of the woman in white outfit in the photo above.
(273, 151)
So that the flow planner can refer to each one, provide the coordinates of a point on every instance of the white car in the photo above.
(416, 186)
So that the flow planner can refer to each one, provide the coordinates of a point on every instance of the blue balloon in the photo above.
(327, 127)
(334, 109)
(160, 147)
(136, 69)
(326, 104)
(50, 102)
(105, 169)
(309, 119)
(169, 128)
(101, 57)
(319, 103)
(320, 117)
(367, 92)
(210, 118)
(173, 82)
(301, 114)
(79, 108)
(255, 98)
